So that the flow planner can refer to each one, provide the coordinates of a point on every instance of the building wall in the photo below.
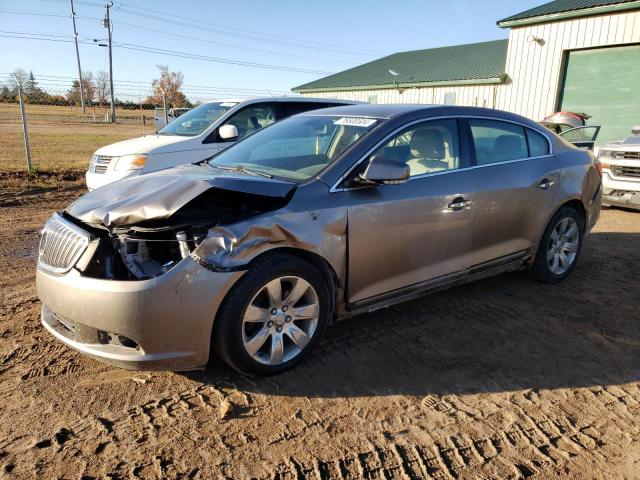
(468, 95)
(535, 70)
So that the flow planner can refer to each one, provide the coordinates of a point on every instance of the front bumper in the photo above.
(622, 193)
(160, 324)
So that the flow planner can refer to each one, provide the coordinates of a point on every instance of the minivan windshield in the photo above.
(297, 148)
(197, 120)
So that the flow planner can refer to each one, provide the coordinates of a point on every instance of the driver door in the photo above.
(417, 233)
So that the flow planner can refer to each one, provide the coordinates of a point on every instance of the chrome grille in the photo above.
(623, 171)
(624, 155)
(100, 163)
(61, 245)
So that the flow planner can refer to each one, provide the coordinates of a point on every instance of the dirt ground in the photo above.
(503, 378)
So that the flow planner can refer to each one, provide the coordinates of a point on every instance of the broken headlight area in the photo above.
(139, 255)
(151, 248)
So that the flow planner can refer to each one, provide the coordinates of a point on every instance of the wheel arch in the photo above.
(324, 267)
(576, 205)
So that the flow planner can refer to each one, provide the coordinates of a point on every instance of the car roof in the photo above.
(390, 111)
(285, 99)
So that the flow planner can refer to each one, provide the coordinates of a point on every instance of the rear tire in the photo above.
(273, 316)
(560, 247)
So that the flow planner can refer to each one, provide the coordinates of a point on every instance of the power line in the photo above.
(130, 26)
(224, 29)
(171, 53)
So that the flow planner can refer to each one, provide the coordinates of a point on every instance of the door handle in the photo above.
(545, 184)
(458, 204)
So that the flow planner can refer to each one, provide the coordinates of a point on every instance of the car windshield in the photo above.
(197, 120)
(297, 148)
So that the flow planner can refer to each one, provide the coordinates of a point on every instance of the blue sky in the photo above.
(326, 36)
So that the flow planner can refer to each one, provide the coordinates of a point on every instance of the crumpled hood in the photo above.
(160, 194)
(139, 145)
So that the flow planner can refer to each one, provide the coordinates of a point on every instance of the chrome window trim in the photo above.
(334, 188)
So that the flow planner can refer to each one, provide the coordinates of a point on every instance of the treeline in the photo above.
(96, 89)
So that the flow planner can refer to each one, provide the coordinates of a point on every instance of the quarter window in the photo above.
(497, 141)
(538, 145)
(428, 147)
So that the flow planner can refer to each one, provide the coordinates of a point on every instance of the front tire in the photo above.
(560, 247)
(273, 317)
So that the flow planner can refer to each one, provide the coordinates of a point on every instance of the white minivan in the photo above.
(194, 136)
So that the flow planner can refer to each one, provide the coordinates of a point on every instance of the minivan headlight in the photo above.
(130, 162)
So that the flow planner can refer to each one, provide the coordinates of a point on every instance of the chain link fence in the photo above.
(62, 137)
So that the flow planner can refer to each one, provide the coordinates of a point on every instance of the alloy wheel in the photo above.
(280, 320)
(563, 246)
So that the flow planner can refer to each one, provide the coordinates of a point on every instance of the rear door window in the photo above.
(497, 141)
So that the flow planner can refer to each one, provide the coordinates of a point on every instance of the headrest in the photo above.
(428, 143)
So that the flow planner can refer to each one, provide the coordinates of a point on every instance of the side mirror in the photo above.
(635, 130)
(228, 132)
(386, 171)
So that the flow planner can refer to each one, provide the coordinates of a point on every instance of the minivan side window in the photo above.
(538, 145)
(252, 118)
(427, 147)
(497, 141)
(288, 109)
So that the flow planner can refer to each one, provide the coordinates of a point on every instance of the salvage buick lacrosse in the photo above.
(251, 254)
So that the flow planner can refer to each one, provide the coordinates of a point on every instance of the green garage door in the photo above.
(604, 83)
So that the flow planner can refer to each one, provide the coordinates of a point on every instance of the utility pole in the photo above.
(75, 38)
(106, 22)
(24, 124)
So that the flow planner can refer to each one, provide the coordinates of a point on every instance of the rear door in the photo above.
(401, 236)
(516, 180)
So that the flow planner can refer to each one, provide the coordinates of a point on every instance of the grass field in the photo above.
(63, 138)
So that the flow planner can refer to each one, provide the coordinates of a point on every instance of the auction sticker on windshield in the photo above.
(355, 122)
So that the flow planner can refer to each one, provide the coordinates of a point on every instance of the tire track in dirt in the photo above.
(547, 444)
(489, 380)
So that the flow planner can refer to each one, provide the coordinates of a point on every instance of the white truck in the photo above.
(620, 162)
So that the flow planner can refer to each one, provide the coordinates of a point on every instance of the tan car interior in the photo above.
(430, 152)
(426, 150)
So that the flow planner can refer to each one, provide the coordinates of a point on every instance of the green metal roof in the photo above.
(559, 9)
(474, 63)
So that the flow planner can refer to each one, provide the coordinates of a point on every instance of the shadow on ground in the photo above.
(499, 334)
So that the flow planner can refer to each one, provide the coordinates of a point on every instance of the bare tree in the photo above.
(171, 83)
(73, 95)
(21, 75)
(102, 87)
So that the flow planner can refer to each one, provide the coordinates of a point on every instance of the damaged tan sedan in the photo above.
(251, 254)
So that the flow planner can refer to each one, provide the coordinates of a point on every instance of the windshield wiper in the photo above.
(241, 169)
